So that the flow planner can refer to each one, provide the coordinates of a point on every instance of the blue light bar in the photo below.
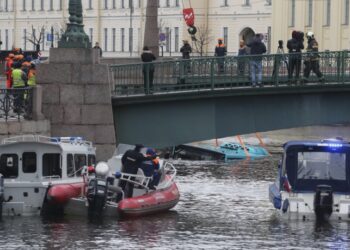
(331, 145)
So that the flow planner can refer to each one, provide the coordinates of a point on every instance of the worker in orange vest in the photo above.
(8, 70)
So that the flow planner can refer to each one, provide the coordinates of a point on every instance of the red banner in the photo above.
(188, 16)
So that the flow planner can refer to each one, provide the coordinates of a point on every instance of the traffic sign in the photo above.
(162, 37)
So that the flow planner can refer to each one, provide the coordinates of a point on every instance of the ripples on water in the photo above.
(222, 206)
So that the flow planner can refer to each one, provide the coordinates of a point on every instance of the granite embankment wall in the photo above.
(76, 97)
(23, 127)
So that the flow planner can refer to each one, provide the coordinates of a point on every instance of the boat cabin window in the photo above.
(52, 165)
(80, 162)
(91, 160)
(321, 166)
(70, 165)
(29, 162)
(9, 165)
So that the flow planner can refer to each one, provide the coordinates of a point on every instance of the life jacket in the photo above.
(32, 77)
(18, 82)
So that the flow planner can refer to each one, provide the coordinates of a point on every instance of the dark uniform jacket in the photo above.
(132, 160)
(186, 50)
(220, 50)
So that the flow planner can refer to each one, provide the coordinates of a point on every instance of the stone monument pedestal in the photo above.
(76, 97)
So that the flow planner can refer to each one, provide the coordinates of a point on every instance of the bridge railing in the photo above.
(16, 103)
(212, 73)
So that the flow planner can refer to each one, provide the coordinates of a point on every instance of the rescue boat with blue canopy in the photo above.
(313, 180)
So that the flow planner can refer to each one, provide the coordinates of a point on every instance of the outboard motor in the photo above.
(97, 190)
(323, 202)
(1, 193)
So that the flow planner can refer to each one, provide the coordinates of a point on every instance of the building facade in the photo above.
(118, 25)
(327, 19)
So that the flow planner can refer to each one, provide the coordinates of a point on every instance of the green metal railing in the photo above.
(212, 73)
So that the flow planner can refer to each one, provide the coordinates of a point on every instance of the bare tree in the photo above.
(151, 27)
(35, 38)
(201, 39)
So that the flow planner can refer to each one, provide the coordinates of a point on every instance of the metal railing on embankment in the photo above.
(16, 103)
(212, 73)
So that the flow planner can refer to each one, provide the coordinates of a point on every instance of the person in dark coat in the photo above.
(186, 50)
(97, 46)
(257, 47)
(220, 51)
(241, 62)
(313, 58)
(131, 162)
(295, 45)
(148, 69)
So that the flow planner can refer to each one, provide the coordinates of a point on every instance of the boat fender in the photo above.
(277, 201)
(285, 206)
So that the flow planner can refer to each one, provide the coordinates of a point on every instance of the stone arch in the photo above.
(247, 34)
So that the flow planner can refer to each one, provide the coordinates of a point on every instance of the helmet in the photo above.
(310, 34)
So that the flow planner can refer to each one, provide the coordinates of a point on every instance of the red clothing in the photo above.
(9, 63)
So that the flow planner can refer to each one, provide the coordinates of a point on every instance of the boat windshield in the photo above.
(321, 166)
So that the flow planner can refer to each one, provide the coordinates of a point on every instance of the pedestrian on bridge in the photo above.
(148, 69)
(312, 60)
(241, 62)
(295, 45)
(221, 51)
(257, 48)
(186, 50)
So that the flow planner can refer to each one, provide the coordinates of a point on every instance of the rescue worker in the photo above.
(32, 75)
(8, 70)
(150, 168)
(312, 60)
(26, 64)
(19, 79)
(220, 51)
(131, 162)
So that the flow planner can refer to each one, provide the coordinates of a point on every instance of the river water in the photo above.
(222, 206)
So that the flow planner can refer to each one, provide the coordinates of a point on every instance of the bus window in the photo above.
(91, 160)
(70, 165)
(51, 165)
(80, 162)
(9, 165)
(29, 162)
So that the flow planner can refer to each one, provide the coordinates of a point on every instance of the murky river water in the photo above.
(222, 206)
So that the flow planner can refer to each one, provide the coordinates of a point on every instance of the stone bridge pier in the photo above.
(76, 97)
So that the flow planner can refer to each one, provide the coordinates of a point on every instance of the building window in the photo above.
(42, 5)
(122, 4)
(140, 4)
(25, 39)
(225, 3)
(51, 5)
(346, 9)
(106, 38)
(246, 3)
(167, 3)
(90, 4)
(122, 38)
(225, 35)
(167, 39)
(327, 13)
(23, 5)
(176, 30)
(131, 38)
(291, 13)
(309, 7)
(113, 39)
(33, 5)
(60, 5)
(6, 39)
(91, 32)
(177, 3)
(106, 4)
(113, 4)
